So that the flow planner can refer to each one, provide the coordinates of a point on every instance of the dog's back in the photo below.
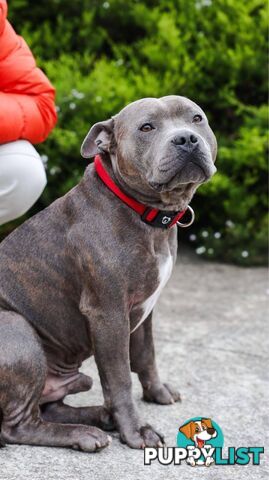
(38, 267)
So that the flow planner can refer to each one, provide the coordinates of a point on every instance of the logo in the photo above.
(200, 443)
(200, 436)
(166, 220)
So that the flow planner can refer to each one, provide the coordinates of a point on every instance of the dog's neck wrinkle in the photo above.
(153, 200)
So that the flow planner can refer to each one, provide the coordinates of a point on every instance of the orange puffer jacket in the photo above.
(27, 108)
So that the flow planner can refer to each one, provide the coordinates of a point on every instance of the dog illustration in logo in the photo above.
(200, 432)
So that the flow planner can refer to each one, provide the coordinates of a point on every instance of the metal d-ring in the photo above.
(184, 225)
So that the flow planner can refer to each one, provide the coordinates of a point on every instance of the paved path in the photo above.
(211, 330)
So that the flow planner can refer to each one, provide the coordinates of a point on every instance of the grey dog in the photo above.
(81, 278)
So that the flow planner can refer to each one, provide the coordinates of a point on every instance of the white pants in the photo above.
(22, 179)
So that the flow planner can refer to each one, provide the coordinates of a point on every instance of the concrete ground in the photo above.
(211, 329)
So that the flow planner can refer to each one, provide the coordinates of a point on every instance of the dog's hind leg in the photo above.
(97, 416)
(22, 377)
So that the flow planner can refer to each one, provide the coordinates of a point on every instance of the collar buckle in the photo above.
(159, 218)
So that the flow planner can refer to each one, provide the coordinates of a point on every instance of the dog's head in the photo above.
(199, 431)
(161, 150)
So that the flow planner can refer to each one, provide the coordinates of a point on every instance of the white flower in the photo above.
(203, 3)
(217, 235)
(77, 94)
(98, 99)
(200, 250)
(192, 237)
(229, 223)
(44, 158)
(119, 62)
(244, 254)
(57, 108)
(106, 5)
(72, 106)
(204, 234)
(54, 170)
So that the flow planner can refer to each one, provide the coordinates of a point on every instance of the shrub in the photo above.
(236, 198)
(102, 55)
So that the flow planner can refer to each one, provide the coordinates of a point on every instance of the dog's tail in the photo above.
(2, 443)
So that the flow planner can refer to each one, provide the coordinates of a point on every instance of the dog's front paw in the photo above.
(145, 437)
(163, 394)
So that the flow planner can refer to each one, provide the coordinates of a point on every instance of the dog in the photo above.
(199, 432)
(81, 278)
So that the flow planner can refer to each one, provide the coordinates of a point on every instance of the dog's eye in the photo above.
(147, 127)
(197, 119)
(197, 430)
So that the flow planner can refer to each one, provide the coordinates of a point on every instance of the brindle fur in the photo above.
(73, 279)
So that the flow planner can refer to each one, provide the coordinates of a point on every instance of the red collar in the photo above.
(152, 216)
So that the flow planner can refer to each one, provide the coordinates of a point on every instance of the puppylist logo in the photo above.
(200, 437)
(199, 443)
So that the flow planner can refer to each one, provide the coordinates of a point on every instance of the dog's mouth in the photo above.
(200, 442)
(190, 173)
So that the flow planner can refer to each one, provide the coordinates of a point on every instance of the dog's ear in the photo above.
(98, 139)
(207, 422)
(187, 429)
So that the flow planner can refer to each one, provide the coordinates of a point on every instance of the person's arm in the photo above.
(27, 109)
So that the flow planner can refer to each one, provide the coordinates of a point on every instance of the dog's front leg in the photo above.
(143, 362)
(110, 338)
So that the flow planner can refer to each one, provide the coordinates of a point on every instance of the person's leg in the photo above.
(22, 179)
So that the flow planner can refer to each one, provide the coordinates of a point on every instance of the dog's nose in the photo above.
(211, 431)
(185, 140)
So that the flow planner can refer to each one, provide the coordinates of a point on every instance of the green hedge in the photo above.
(102, 55)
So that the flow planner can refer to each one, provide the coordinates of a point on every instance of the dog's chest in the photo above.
(165, 266)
